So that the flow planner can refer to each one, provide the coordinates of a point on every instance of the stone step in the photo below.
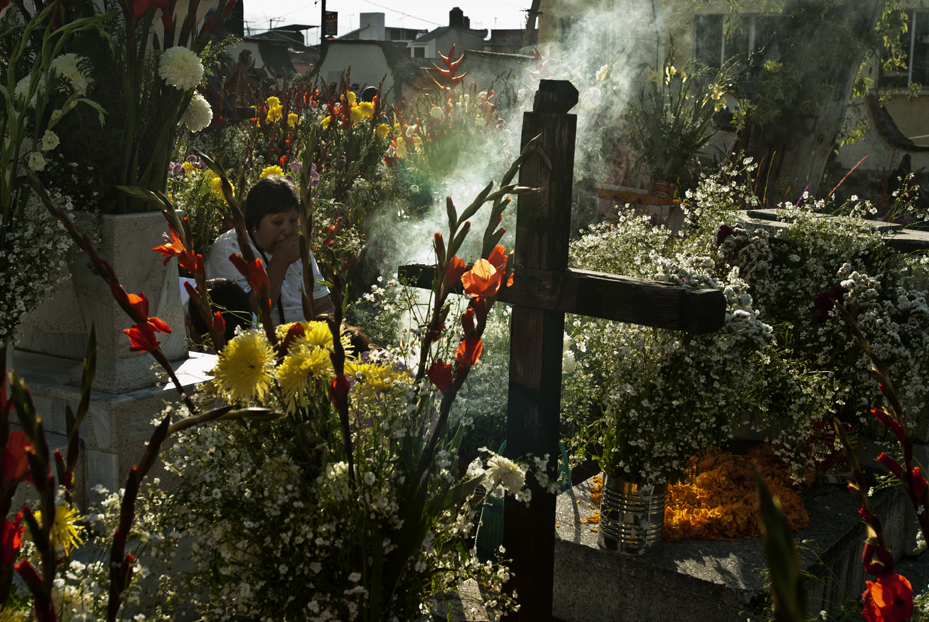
(712, 580)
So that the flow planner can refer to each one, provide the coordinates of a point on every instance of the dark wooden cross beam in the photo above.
(543, 290)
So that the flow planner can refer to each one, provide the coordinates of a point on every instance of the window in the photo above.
(915, 44)
(719, 39)
(419, 52)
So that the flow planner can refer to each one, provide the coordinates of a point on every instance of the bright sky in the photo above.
(420, 14)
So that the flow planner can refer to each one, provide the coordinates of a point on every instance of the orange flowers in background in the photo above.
(720, 503)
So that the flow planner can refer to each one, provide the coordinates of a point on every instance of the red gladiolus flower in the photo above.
(219, 324)
(469, 351)
(192, 292)
(138, 8)
(15, 461)
(891, 465)
(883, 565)
(483, 280)
(338, 388)
(11, 539)
(142, 337)
(881, 415)
(919, 484)
(253, 272)
(293, 333)
(440, 373)
(889, 599)
(467, 321)
(456, 268)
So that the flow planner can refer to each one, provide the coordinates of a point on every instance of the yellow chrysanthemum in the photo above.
(189, 168)
(272, 170)
(356, 114)
(245, 369)
(275, 114)
(382, 130)
(64, 535)
(302, 367)
(11, 615)
(374, 376)
(293, 120)
(274, 102)
(216, 185)
(325, 122)
(367, 109)
(351, 98)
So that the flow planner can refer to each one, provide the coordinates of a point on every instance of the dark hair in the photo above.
(270, 195)
(230, 300)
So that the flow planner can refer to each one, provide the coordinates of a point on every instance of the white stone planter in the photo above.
(60, 326)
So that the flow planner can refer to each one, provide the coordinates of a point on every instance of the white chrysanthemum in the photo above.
(180, 68)
(503, 471)
(36, 161)
(66, 66)
(49, 140)
(198, 114)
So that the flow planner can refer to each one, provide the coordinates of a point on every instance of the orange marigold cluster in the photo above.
(720, 503)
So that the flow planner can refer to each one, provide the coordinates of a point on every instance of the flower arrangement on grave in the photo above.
(362, 442)
(662, 396)
(42, 85)
(163, 53)
(446, 121)
(673, 118)
(794, 274)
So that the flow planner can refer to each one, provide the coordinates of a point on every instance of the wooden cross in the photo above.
(543, 290)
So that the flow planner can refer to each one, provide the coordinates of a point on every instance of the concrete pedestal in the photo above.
(117, 427)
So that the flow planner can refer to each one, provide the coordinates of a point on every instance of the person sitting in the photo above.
(230, 300)
(272, 221)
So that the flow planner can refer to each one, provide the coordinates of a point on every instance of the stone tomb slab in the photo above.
(711, 580)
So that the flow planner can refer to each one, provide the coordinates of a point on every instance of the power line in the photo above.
(403, 14)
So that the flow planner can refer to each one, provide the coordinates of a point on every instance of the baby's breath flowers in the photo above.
(245, 368)
(180, 67)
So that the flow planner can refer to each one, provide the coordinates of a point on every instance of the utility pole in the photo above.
(322, 29)
(533, 13)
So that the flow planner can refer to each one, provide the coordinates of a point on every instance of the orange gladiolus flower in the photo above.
(142, 338)
(456, 268)
(889, 599)
(187, 259)
(469, 351)
(483, 280)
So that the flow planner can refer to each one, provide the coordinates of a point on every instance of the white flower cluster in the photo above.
(198, 114)
(180, 67)
(33, 259)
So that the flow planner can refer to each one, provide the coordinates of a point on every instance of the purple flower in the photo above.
(314, 176)
(175, 169)
(824, 302)
(289, 178)
(296, 167)
(724, 232)
(195, 160)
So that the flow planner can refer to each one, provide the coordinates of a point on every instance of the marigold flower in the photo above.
(274, 114)
(366, 109)
(245, 368)
(180, 67)
(293, 120)
(356, 114)
(382, 130)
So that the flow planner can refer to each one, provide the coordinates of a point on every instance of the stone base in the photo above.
(117, 427)
(711, 580)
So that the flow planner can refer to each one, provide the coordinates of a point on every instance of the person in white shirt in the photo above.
(272, 221)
